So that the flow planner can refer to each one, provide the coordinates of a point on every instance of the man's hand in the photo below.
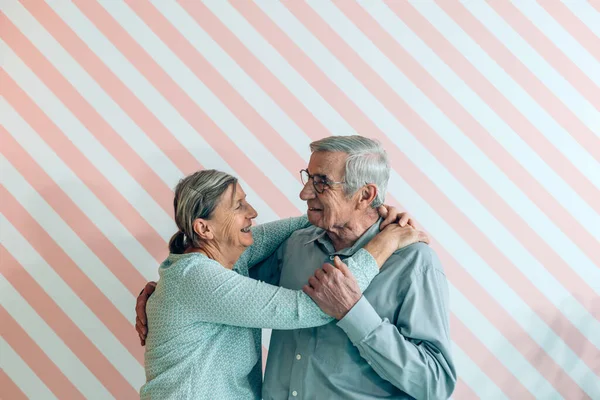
(391, 215)
(141, 324)
(334, 289)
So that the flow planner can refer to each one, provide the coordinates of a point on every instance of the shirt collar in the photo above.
(320, 236)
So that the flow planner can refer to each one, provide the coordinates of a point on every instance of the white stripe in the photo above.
(72, 305)
(205, 99)
(233, 73)
(50, 343)
(562, 39)
(526, 105)
(586, 14)
(538, 65)
(491, 282)
(396, 132)
(497, 127)
(97, 98)
(500, 130)
(91, 91)
(86, 143)
(548, 76)
(479, 382)
(499, 346)
(272, 60)
(152, 99)
(21, 375)
(66, 239)
(467, 151)
(77, 191)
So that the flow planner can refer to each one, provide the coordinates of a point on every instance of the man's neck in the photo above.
(348, 235)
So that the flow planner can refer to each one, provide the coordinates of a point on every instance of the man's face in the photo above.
(330, 210)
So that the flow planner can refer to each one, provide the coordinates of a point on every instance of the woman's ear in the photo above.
(368, 193)
(203, 229)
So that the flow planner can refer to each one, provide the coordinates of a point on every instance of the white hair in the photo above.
(367, 163)
(196, 196)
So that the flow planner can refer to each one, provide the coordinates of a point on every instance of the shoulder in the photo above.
(416, 259)
(181, 266)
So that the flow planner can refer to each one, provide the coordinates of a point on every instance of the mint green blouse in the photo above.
(204, 320)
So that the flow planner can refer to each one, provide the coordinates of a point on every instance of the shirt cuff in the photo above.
(361, 320)
(370, 269)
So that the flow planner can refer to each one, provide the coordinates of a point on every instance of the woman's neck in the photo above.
(226, 257)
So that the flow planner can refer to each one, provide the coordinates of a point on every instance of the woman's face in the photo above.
(232, 219)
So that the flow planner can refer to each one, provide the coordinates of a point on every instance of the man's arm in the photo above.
(414, 352)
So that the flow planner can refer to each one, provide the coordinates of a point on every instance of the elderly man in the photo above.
(393, 340)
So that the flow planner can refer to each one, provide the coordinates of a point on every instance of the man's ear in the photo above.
(367, 193)
(203, 229)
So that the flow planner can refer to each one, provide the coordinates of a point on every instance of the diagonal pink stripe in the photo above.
(453, 161)
(70, 273)
(71, 213)
(463, 392)
(215, 137)
(547, 49)
(81, 225)
(341, 103)
(505, 323)
(9, 389)
(572, 24)
(502, 321)
(487, 361)
(595, 4)
(87, 115)
(481, 189)
(501, 106)
(324, 33)
(33, 356)
(110, 83)
(205, 72)
(504, 109)
(69, 333)
(83, 168)
(267, 81)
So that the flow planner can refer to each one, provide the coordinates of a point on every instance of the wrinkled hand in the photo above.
(402, 236)
(391, 215)
(334, 289)
(141, 324)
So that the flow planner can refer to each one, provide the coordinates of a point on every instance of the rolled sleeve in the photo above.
(361, 320)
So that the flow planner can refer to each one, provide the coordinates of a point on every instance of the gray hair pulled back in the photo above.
(367, 162)
(196, 196)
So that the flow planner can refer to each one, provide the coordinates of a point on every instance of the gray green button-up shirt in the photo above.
(394, 343)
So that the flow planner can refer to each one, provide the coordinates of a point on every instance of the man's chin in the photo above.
(315, 218)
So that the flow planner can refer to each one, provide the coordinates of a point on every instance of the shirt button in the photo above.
(331, 257)
(369, 362)
(298, 357)
(294, 393)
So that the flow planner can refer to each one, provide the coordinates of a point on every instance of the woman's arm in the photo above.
(215, 294)
(267, 238)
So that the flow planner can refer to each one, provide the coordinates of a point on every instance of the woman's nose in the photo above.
(253, 213)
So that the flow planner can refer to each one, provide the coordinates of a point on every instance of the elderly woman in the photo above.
(204, 316)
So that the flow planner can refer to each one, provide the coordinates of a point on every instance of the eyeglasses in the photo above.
(320, 182)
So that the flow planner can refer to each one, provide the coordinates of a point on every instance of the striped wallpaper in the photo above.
(489, 110)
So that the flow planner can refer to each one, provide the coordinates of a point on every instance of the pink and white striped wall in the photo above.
(490, 112)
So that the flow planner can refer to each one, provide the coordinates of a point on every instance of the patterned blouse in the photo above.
(204, 320)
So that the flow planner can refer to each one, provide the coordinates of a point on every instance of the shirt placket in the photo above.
(299, 365)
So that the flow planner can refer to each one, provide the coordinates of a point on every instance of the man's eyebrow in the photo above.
(317, 174)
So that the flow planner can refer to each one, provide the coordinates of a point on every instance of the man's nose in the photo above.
(308, 191)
